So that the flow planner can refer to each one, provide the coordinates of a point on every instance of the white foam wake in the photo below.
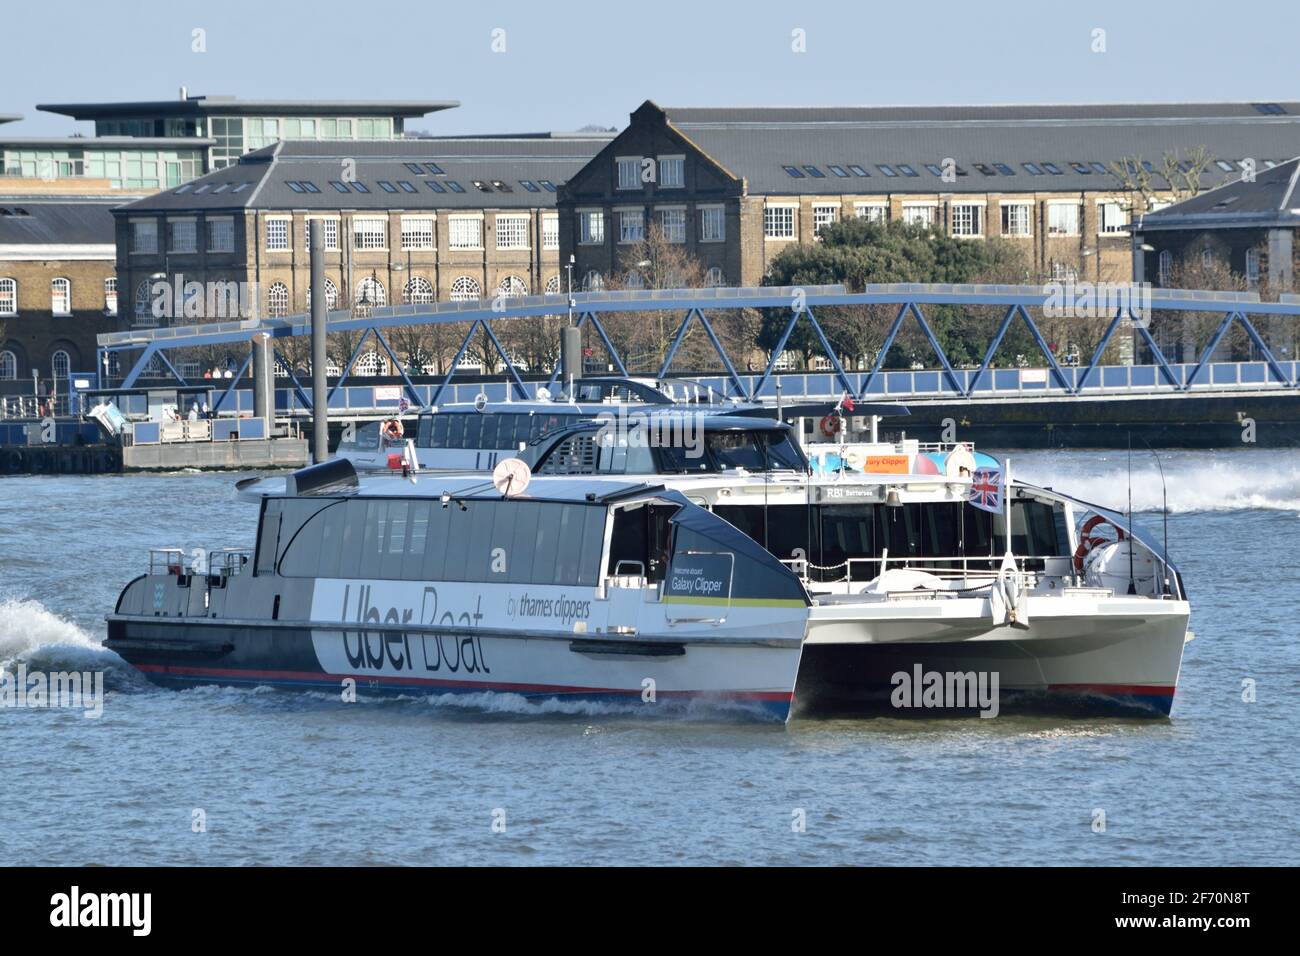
(1195, 480)
(33, 635)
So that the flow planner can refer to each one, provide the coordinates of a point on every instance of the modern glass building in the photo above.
(126, 162)
(232, 127)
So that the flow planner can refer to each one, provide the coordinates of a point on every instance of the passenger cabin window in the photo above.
(829, 535)
(754, 450)
(413, 539)
(487, 430)
(587, 453)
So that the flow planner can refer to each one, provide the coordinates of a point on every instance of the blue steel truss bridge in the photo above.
(1037, 394)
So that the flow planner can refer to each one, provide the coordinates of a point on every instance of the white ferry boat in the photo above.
(905, 554)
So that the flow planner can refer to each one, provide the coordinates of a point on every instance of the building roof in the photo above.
(1270, 199)
(1081, 141)
(108, 142)
(233, 106)
(55, 223)
(1174, 112)
(261, 179)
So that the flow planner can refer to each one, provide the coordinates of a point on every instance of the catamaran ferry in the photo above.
(905, 553)
(588, 588)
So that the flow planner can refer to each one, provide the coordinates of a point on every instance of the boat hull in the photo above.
(1094, 661)
(654, 674)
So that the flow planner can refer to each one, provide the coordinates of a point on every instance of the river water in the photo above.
(277, 777)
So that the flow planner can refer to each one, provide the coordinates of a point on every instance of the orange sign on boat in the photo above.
(887, 465)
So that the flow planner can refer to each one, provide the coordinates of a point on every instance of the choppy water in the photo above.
(293, 778)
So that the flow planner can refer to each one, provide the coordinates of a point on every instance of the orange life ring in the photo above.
(393, 430)
(831, 426)
(1087, 543)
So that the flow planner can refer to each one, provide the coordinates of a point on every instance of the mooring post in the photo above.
(263, 371)
(320, 422)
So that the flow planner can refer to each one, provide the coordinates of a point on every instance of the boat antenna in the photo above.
(767, 475)
(1132, 584)
(1164, 517)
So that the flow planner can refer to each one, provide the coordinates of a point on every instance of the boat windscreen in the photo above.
(755, 450)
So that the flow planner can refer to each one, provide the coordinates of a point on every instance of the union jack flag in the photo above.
(986, 489)
(402, 405)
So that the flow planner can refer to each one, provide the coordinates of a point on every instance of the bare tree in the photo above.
(1181, 174)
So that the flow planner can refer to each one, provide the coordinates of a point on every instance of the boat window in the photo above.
(574, 455)
(415, 539)
(757, 451)
(830, 535)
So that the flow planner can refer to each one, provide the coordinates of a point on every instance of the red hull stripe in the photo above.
(1145, 690)
(321, 677)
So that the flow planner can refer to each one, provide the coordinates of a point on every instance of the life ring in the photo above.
(1087, 543)
(831, 425)
(393, 430)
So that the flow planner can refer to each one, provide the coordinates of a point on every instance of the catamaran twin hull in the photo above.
(392, 638)
(1108, 655)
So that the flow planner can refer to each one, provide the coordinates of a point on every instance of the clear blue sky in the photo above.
(599, 60)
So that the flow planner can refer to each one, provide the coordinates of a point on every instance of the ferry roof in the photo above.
(478, 485)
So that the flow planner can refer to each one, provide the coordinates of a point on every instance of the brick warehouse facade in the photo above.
(736, 186)
(57, 280)
(419, 220)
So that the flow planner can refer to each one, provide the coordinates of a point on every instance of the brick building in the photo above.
(1250, 225)
(738, 185)
(405, 221)
(58, 288)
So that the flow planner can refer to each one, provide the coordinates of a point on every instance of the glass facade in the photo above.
(123, 168)
(236, 135)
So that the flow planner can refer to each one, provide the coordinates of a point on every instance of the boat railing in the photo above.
(953, 568)
(227, 562)
(167, 561)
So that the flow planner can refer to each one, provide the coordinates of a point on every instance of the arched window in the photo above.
(370, 291)
(592, 282)
(369, 363)
(277, 300)
(512, 286)
(60, 366)
(465, 288)
(144, 302)
(61, 296)
(8, 297)
(714, 278)
(553, 285)
(634, 280)
(1166, 267)
(331, 296)
(1207, 258)
(8, 366)
(418, 291)
(110, 296)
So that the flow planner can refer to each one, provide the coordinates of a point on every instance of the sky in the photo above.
(520, 67)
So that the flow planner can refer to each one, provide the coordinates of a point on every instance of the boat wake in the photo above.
(33, 635)
(1197, 481)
